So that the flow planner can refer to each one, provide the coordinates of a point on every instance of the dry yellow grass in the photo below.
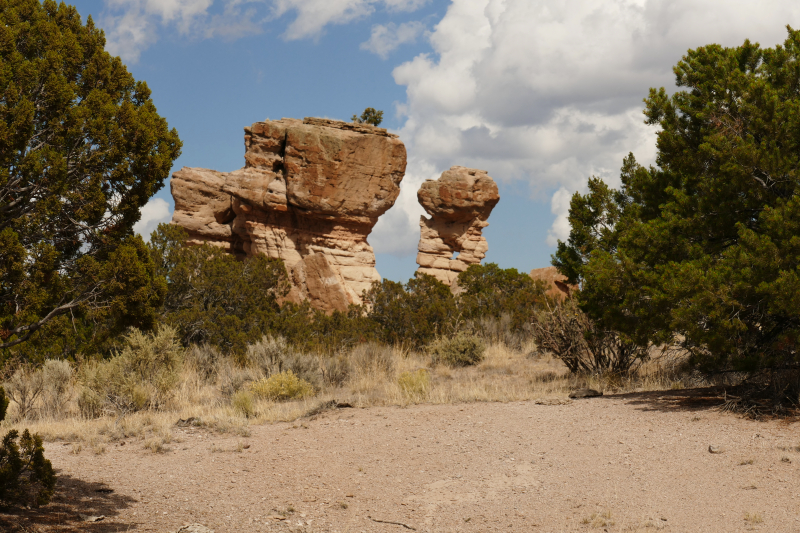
(504, 375)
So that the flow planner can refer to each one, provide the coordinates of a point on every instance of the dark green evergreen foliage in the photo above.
(369, 116)
(213, 297)
(415, 313)
(82, 149)
(4, 401)
(706, 246)
(26, 477)
(593, 218)
(490, 291)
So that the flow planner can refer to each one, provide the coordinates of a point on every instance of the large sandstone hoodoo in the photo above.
(310, 193)
(459, 204)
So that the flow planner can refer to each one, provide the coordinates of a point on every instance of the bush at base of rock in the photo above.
(26, 477)
(458, 351)
(282, 387)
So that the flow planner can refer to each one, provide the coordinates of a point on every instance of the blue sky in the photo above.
(540, 93)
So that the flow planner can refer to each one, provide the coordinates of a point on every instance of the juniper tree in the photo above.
(82, 149)
(704, 248)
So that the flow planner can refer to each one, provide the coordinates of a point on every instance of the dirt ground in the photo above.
(636, 462)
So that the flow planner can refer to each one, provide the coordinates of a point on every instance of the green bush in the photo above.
(281, 387)
(26, 477)
(143, 376)
(242, 401)
(415, 385)
(461, 350)
(415, 313)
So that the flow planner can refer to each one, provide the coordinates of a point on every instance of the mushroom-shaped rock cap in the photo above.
(461, 194)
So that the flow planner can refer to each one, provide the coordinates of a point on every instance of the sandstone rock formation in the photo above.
(459, 204)
(310, 193)
(557, 282)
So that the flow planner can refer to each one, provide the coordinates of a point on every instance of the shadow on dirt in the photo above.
(701, 399)
(73, 497)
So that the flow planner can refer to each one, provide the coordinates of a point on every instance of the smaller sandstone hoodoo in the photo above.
(459, 204)
(557, 286)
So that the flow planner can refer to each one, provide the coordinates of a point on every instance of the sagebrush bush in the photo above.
(24, 388)
(273, 355)
(372, 358)
(415, 385)
(458, 351)
(58, 383)
(281, 387)
(26, 477)
(335, 370)
(268, 354)
(143, 376)
(204, 359)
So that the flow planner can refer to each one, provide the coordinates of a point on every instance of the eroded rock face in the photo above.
(459, 203)
(557, 286)
(310, 193)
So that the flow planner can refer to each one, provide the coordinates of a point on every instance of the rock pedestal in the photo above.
(459, 203)
(310, 193)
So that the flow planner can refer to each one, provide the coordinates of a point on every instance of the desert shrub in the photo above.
(26, 477)
(415, 385)
(570, 335)
(204, 359)
(273, 355)
(24, 389)
(58, 382)
(4, 401)
(461, 350)
(372, 358)
(269, 354)
(243, 402)
(335, 369)
(231, 377)
(281, 387)
(143, 376)
(212, 296)
(413, 314)
(488, 291)
(500, 330)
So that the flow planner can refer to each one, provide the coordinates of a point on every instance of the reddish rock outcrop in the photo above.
(459, 203)
(310, 193)
(556, 282)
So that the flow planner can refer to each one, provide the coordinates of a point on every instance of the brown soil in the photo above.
(636, 462)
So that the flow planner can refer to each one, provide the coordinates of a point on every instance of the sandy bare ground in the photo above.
(637, 462)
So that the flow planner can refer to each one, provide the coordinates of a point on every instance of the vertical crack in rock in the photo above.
(459, 203)
(310, 193)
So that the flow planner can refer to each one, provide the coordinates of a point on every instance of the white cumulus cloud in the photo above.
(550, 91)
(385, 38)
(131, 25)
(153, 213)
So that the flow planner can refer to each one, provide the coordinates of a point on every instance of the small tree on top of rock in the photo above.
(369, 116)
